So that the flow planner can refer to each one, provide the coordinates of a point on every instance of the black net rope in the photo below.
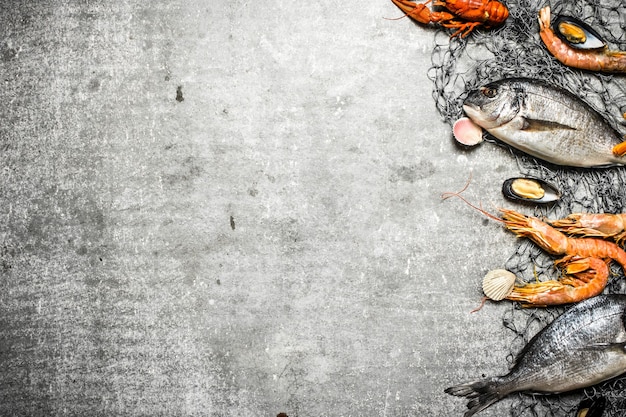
(515, 50)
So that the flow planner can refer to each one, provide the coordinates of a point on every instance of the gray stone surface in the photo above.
(233, 209)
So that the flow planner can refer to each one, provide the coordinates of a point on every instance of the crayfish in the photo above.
(462, 15)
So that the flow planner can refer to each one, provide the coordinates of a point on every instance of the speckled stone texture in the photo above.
(231, 208)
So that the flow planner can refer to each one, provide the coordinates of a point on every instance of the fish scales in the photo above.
(582, 347)
(591, 336)
(583, 131)
(544, 121)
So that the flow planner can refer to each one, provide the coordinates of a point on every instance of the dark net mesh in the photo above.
(515, 50)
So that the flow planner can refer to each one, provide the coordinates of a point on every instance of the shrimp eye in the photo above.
(489, 92)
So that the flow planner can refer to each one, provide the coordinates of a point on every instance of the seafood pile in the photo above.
(584, 264)
(552, 93)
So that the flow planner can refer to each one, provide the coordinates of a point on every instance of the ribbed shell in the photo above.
(498, 283)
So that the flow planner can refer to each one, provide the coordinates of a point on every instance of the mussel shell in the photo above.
(591, 407)
(591, 40)
(550, 193)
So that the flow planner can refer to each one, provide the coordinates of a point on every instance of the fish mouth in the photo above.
(473, 112)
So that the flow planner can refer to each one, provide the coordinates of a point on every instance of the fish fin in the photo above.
(536, 125)
(620, 346)
(620, 149)
(481, 395)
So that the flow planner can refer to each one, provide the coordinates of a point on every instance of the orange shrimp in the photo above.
(594, 60)
(586, 273)
(557, 243)
(603, 225)
(584, 278)
(462, 15)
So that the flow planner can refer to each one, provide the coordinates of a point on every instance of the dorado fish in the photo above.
(546, 122)
(582, 347)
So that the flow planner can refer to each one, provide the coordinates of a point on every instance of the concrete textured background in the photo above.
(233, 209)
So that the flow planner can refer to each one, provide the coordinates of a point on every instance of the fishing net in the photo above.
(515, 50)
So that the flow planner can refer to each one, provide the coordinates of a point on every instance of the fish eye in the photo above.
(489, 92)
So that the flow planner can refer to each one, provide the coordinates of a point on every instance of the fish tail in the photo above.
(481, 394)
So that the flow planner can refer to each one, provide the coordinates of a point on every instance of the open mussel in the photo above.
(578, 34)
(591, 407)
(531, 190)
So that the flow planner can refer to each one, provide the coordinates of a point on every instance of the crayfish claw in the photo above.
(416, 11)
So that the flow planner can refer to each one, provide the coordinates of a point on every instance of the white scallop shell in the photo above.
(498, 283)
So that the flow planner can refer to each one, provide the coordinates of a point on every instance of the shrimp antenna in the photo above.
(396, 18)
(457, 194)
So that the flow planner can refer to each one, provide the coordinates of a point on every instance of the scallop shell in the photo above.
(467, 132)
(530, 190)
(498, 283)
(577, 33)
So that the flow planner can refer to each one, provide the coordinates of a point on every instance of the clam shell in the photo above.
(467, 132)
(497, 284)
(530, 190)
(577, 33)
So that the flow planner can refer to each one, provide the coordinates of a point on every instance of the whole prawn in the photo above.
(553, 241)
(462, 15)
(594, 60)
(576, 285)
(586, 272)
